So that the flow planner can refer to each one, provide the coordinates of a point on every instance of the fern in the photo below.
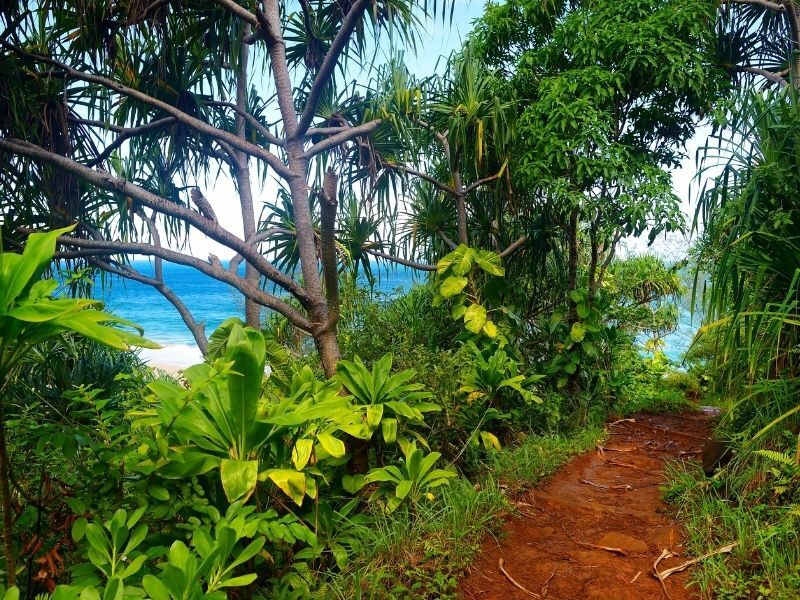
(780, 458)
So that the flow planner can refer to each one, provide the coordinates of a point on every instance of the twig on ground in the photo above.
(520, 587)
(721, 550)
(589, 545)
(547, 584)
(607, 449)
(635, 577)
(602, 486)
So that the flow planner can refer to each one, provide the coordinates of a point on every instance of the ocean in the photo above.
(212, 302)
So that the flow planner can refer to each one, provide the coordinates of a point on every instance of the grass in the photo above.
(421, 554)
(753, 502)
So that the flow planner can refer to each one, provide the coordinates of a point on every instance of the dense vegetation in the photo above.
(348, 444)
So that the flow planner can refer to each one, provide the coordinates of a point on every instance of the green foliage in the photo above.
(391, 401)
(464, 279)
(30, 315)
(411, 481)
(751, 501)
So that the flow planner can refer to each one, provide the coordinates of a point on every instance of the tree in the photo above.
(453, 133)
(119, 111)
(610, 90)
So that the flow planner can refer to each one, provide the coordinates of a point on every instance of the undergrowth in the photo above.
(755, 502)
(412, 555)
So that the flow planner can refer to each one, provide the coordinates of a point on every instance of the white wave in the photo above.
(173, 356)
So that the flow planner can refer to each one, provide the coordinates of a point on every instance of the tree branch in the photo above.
(211, 268)
(432, 180)
(346, 135)
(484, 181)
(270, 23)
(261, 236)
(765, 3)
(400, 261)
(196, 328)
(251, 120)
(514, 247)
(769, 75)
(207, 226)
(200, 126)
(125, 133)
(330, 62)
(450, 243)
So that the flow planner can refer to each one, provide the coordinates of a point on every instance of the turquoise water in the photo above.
(212, 302)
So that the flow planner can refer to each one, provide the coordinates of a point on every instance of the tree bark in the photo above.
(574, 381)
(5, 497)
(241, 173)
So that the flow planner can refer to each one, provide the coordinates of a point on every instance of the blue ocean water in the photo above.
(212, 302)
(209, 300)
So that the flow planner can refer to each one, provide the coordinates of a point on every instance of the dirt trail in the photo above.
(551, 549)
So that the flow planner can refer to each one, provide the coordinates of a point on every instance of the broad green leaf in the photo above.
(154, 588)
(301, 453)
(490, 329)
(578, 332)
(239, 478)
(292, 483)
(19, 273)
(389, 430)
(475, 318)
(490, 262)
(452, 286)
(333, 446)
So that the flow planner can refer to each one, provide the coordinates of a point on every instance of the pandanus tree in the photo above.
(750, 251)
(452, 134)
(119, 113)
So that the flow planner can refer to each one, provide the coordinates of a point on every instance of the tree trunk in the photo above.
(252, 311)
(5, 497)
(461, 209)
(574, 381)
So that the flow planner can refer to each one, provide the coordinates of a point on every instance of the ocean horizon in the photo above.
(212, 302)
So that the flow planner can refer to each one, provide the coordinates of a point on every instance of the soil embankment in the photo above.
(594, 530)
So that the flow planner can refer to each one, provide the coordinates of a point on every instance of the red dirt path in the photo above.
(550, 549)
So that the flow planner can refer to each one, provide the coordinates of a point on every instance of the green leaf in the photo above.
(578, 332)
(490, 329)
(353, 483)
(115, 589)
(292, 483)
(490, 262)
(453, 286)
(374, 415)
(239, 478)
(244, 383)
(155, 588)
(239, 581)
(79, 529)
(389, 430)
(459, 260)
(458, 311)
(583, 310)
(159, 492)
(403, 488)
(333, 446)
(302, 453)
(475, 318)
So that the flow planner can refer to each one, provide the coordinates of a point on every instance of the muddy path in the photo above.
(609, 497)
